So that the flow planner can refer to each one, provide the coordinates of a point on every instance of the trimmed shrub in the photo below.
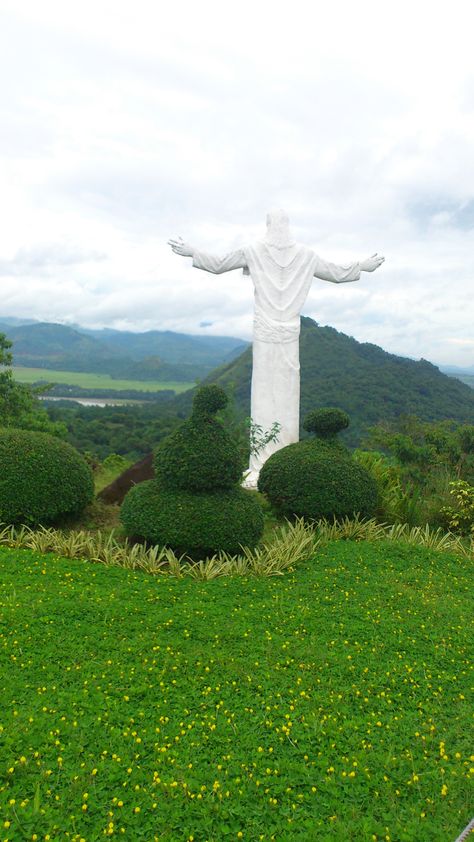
(195, 524)
(195, 505)
(200, 455)
(317, 478)
(326, 422)
(41, 478)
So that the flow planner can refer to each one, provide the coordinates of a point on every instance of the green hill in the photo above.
(155, 368)
(171, 347)
(363, 379)
(153, 355)
(45, 345)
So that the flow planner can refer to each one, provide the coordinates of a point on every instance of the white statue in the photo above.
(282, 272)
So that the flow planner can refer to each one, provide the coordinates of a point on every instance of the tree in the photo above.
(19, 405)
(425, 448)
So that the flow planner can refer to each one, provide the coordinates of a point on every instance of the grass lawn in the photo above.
(90, 380)
(329, 704)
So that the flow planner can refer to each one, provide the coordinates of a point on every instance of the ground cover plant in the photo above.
(331, 703)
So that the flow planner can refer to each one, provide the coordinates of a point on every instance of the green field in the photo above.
(329, 704)
(89, 380)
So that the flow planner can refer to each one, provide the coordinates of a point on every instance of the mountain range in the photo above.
(336, 370)
(153, 355)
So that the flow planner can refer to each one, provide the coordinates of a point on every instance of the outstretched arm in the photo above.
(343, 274)
(210, 262)
(371, 263)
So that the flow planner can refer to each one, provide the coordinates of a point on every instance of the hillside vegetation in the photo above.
(370, 384)
(468, 379)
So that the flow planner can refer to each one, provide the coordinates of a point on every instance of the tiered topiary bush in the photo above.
(195, 504)
(317, 478)
(42, 478)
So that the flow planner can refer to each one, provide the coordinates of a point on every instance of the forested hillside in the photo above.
(363, 379)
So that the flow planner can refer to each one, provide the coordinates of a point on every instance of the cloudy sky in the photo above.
(125, 123)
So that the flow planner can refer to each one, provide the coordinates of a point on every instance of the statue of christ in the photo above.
(282, 272)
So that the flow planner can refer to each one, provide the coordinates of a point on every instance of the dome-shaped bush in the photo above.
(200, 455)
(41, 478)
(196, 524)
(317, 478)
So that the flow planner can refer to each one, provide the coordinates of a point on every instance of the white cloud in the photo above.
(132, 122)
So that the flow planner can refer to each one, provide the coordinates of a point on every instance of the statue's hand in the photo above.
(180, 247)
(371, 263)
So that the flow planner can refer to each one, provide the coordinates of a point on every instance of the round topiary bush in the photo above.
(326, 422)
(41, 478)
(195, 524)
(200, 455)
(317, 478)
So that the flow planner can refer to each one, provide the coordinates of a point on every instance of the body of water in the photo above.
(92, 401)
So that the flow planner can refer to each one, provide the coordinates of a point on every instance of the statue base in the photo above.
(250, 480)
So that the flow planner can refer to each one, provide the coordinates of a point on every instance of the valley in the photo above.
(94, 380)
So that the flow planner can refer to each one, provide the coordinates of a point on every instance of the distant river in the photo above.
(92, 401)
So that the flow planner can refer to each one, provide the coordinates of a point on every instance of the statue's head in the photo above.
(278, 229)
(277, 216)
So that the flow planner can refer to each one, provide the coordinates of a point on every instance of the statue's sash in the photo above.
(266, 329)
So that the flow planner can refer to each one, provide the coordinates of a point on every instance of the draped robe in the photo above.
(282, 279)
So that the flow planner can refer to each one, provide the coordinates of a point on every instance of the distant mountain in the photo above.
(363, 379)
(157, 355)
(466, 375)
(45, 345)
(170, 346)
(468, 379)
(457, 370)
(13, 321)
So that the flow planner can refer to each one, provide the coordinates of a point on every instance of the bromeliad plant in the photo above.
(291, 544)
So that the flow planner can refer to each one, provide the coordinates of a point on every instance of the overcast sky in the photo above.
(125, 123)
